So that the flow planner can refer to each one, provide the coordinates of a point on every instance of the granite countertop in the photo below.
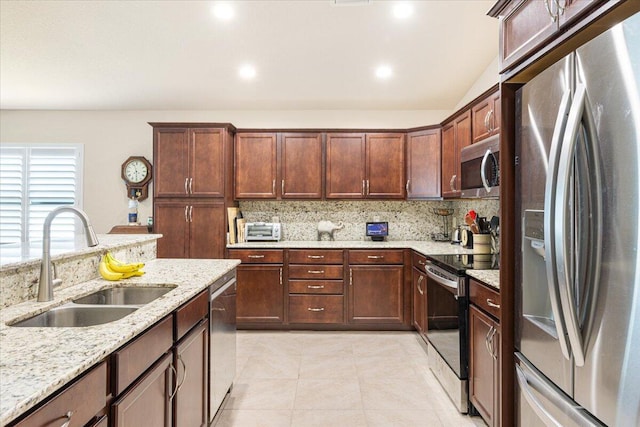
(35, 362)
(489, 277)
(19, 255)
(424, 247)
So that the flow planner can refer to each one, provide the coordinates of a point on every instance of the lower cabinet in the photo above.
(484, 360)
(260, 294)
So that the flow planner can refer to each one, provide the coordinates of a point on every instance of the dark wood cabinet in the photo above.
(189, 162)
(363, 166)
(255, 165)
(456, 134)
(191, 364)
(484, 346)
(260, 294)
(376, 287)
(278, 166)
(190, 228)
(424, 153)
(485, 116)
(84, 402)
(148, 401)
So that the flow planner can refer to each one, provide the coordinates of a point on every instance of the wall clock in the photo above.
(136, 173)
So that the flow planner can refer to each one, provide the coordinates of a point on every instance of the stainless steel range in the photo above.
(447, 320)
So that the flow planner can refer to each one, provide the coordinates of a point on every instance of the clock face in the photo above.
(136, 171)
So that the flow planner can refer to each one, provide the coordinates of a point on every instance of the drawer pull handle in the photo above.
(68, 415)
(315, 256)
(421, 262)
(351, 277)
(315, 286)
(375, 256)
(184, 374)
(315, 271)
(492, 304)
(256, 256)
(280, 276)
(315, 309)
(175, 376)
(420, 279)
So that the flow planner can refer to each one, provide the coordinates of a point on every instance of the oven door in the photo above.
(447, 311)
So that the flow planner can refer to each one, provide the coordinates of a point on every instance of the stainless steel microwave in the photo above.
(480, 169)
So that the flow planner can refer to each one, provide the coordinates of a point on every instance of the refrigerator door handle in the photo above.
(534, 403)
(580, 110)
(549, 223)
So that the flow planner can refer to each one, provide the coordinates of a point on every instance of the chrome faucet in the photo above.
(45, 287)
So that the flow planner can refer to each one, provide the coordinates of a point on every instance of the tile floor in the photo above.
(346, 379)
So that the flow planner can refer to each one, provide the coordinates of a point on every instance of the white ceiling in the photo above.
(174, 55)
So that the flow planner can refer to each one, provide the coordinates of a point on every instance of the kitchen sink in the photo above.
(125, 296)
(71, 315)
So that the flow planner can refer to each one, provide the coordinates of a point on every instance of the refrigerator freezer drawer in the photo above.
(541, 403)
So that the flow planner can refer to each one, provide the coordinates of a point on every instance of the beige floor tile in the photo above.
(392, 394)
(385, 367)
(328, 394)
(254, 418)
(404, 418)
(328, 418)
(270, 365)
(262, 394)
(339, 365)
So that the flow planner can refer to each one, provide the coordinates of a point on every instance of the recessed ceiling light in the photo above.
(384, 72)
(247, 72)
(223, 11)
(402, 10)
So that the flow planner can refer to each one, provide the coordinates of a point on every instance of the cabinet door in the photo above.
(207, 230)
(260, 294)
(419, 302)
(206, 175)
(345, 177)
(574, 8)
(171, 162)
(376, 294)
(496, 119)
(147, 402)
(255, 165)
(191, 362)
(423, 164)
(170, 220)
(385, 166)
(301, 166)
(483, 373)
(481, 116)
(450, 181)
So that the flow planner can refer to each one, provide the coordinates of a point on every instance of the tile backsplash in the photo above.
(408, 220)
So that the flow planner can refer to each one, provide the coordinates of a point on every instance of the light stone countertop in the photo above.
(20, 255)
(35, 362)
(424, 247)
(489, 277)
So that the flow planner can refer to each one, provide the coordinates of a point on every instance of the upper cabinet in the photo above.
(527, 25)
(189, 161)
(278, 166)
(485, 116)
(361, 166)
(424, 152)
(456, 134)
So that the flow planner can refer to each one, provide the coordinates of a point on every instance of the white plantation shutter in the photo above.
(34, 180)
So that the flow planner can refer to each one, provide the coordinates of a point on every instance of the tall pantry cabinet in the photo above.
(192, 188)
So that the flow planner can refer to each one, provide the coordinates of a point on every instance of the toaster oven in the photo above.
(262, 231)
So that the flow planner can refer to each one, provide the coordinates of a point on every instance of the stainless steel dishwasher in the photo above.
(222, 343)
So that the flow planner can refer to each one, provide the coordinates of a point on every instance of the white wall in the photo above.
(489, 77)
(109, 137)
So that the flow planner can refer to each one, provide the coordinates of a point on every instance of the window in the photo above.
(35, 179)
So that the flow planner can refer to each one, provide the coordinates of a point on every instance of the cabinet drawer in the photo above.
(136, 357)
(313, 256)
(418, 260)
(315, 286)
(316, 309)
(485, 298)
(84, 399)
(257, 256)
(315, 272)
(188, 316)
(376, 257)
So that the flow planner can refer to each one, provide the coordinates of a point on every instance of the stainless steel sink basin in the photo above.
(125, 296)
(70, 315)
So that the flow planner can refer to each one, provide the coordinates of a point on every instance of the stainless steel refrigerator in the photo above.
(578, 207)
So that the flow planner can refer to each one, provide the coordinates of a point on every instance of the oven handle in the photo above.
(446, 282)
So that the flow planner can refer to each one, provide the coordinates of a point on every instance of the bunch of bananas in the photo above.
(112, 269)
